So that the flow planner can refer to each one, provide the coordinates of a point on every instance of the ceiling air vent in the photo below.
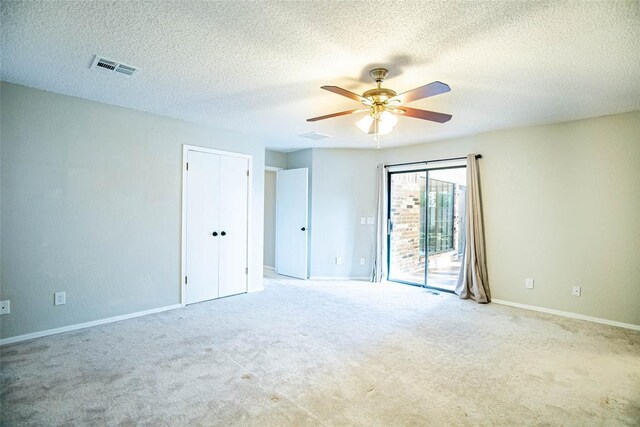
(109, 66)
(314, 135)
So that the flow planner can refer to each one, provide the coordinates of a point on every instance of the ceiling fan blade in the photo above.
(328, 116)
(431, 89)
(423, 114)
(348, 94)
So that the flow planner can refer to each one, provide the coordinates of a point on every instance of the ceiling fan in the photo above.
(383, 105)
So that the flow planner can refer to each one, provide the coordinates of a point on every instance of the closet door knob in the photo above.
(214, 234)
(224, 233)
(303, 229)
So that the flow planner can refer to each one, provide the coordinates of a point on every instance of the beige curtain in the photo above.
(473, 281)
(379, 270)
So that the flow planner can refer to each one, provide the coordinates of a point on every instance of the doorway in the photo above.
(269, 250)
(426, 226)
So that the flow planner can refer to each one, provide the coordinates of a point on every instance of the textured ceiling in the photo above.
(257, 67)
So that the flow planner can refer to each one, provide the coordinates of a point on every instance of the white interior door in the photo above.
(234, 203)
(291, 222)
(203, 219)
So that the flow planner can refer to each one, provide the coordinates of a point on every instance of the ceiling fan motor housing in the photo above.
(379, 95)
(379, 74)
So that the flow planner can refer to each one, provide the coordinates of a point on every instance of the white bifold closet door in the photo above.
(233, 223)
(216, 226)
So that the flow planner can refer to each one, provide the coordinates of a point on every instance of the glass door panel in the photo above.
(407, 239)
(445, 226)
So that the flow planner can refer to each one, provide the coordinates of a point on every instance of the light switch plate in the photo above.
(371, 220)
(5, 307)
(338, 260)
(362, 261)
(363, 220)
(528, 283)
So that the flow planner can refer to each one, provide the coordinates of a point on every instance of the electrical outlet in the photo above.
(59, 298)
(362, 261)
(5, 307)
(576, 291)
(338, 260)
(528, 283)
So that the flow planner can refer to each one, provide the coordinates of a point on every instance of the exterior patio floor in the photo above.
(444, 277)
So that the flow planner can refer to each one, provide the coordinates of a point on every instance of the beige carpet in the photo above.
(328, 353)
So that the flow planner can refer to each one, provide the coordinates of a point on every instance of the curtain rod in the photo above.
(478, 156)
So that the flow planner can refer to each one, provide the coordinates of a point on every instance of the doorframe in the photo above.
(419, 169)
(183, 220)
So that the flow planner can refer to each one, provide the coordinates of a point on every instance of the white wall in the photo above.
(561, 204)
(91, 206)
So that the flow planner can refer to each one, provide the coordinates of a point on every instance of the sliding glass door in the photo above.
(426, 227)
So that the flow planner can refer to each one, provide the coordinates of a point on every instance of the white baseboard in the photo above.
(339, 278)
(568, 314)
(268, 267)
(25, 337)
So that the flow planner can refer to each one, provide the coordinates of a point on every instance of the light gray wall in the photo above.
(275, 159)
(91, 206)
(342, 194)
(561, 206)
(270, 218)
(300, 159)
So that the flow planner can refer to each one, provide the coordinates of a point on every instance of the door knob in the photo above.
(215, 233)
(303, 229)
(224, 233)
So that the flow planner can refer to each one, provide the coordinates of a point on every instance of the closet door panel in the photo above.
(203, 219)
(234, 205)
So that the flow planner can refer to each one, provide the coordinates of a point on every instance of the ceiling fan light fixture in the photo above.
(365, 123)
(384, 123)
(388, 119)
(384, 128)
